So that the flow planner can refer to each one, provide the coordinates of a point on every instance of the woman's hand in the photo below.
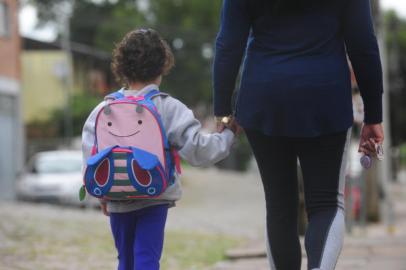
(371, 135)
(235, 127)
(228, 122)
(222, 122)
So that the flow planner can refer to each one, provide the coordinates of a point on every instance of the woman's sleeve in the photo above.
(363, 51)
(230, 46)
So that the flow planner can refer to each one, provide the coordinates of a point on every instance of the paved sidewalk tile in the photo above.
(373, 248)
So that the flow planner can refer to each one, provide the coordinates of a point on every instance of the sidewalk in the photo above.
(372, 248)
(216, 203)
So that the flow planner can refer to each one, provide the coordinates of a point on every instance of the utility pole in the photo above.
(64, 11)
(383, 169)
(386, 165)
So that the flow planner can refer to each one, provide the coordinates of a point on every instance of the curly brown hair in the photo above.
(142, 56)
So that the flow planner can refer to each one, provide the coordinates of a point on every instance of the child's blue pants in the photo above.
(139, 237)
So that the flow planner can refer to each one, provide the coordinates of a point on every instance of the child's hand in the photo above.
(220, 127)
(103, 206)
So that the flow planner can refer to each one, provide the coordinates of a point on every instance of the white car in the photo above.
(54, 176)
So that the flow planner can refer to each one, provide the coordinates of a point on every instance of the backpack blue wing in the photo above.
(99, 174)
(93, 160)
(146, 173)
(145, 160)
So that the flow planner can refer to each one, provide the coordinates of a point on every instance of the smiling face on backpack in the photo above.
(127, 124)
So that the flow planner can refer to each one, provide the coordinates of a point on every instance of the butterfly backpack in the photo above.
(131, 157)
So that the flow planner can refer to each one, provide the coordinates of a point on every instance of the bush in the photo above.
(81, 106)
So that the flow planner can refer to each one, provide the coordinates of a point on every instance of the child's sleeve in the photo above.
(185, 133)
(88, 135)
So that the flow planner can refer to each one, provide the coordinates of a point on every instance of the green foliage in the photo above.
(189, 26)
(403, 155)
(81, 106)
(190, 250)
(102, 24)
(396, 46)
(108, 33)
(193, 22)
(195, 25)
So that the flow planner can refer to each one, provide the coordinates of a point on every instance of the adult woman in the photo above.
(294, 103)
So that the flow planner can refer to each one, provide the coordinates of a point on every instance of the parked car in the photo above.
(54, 176)
(354, 168)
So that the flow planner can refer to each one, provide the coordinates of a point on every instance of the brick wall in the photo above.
(10, 41)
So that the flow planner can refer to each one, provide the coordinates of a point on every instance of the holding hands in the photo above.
(228, 122)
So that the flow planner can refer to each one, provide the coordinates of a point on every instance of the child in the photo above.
(139, 62)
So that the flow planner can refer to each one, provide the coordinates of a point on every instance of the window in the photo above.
(4, 20)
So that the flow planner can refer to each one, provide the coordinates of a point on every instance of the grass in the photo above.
(194, 251)
(66, 239)
(403, 155)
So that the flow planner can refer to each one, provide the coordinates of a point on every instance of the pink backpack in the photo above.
(131, 157)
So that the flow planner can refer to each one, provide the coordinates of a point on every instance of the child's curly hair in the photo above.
(141, 56)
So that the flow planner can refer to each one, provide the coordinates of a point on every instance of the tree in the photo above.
(101, 25)
(396, 40)
(188, 26)
(191, 33)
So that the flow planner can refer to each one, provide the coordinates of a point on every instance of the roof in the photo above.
(77, 48)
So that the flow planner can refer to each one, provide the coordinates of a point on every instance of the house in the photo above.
(11, 138)
(44, 71)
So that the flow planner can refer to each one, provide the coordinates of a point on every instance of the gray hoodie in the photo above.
(184, 132)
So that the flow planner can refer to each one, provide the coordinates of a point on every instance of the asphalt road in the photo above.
(220, 201)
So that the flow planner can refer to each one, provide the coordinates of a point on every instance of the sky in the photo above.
(28, 20)
(398, 5)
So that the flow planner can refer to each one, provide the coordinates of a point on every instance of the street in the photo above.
(215, 203)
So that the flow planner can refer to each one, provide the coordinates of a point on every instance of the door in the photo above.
(8, 147)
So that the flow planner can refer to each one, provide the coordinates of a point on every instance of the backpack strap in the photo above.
(153, 93)
(173, 161)
(114, 96)
(149, 96)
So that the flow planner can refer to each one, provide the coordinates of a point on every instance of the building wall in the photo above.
(42, 90)
(10, 42)
(11, 139)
